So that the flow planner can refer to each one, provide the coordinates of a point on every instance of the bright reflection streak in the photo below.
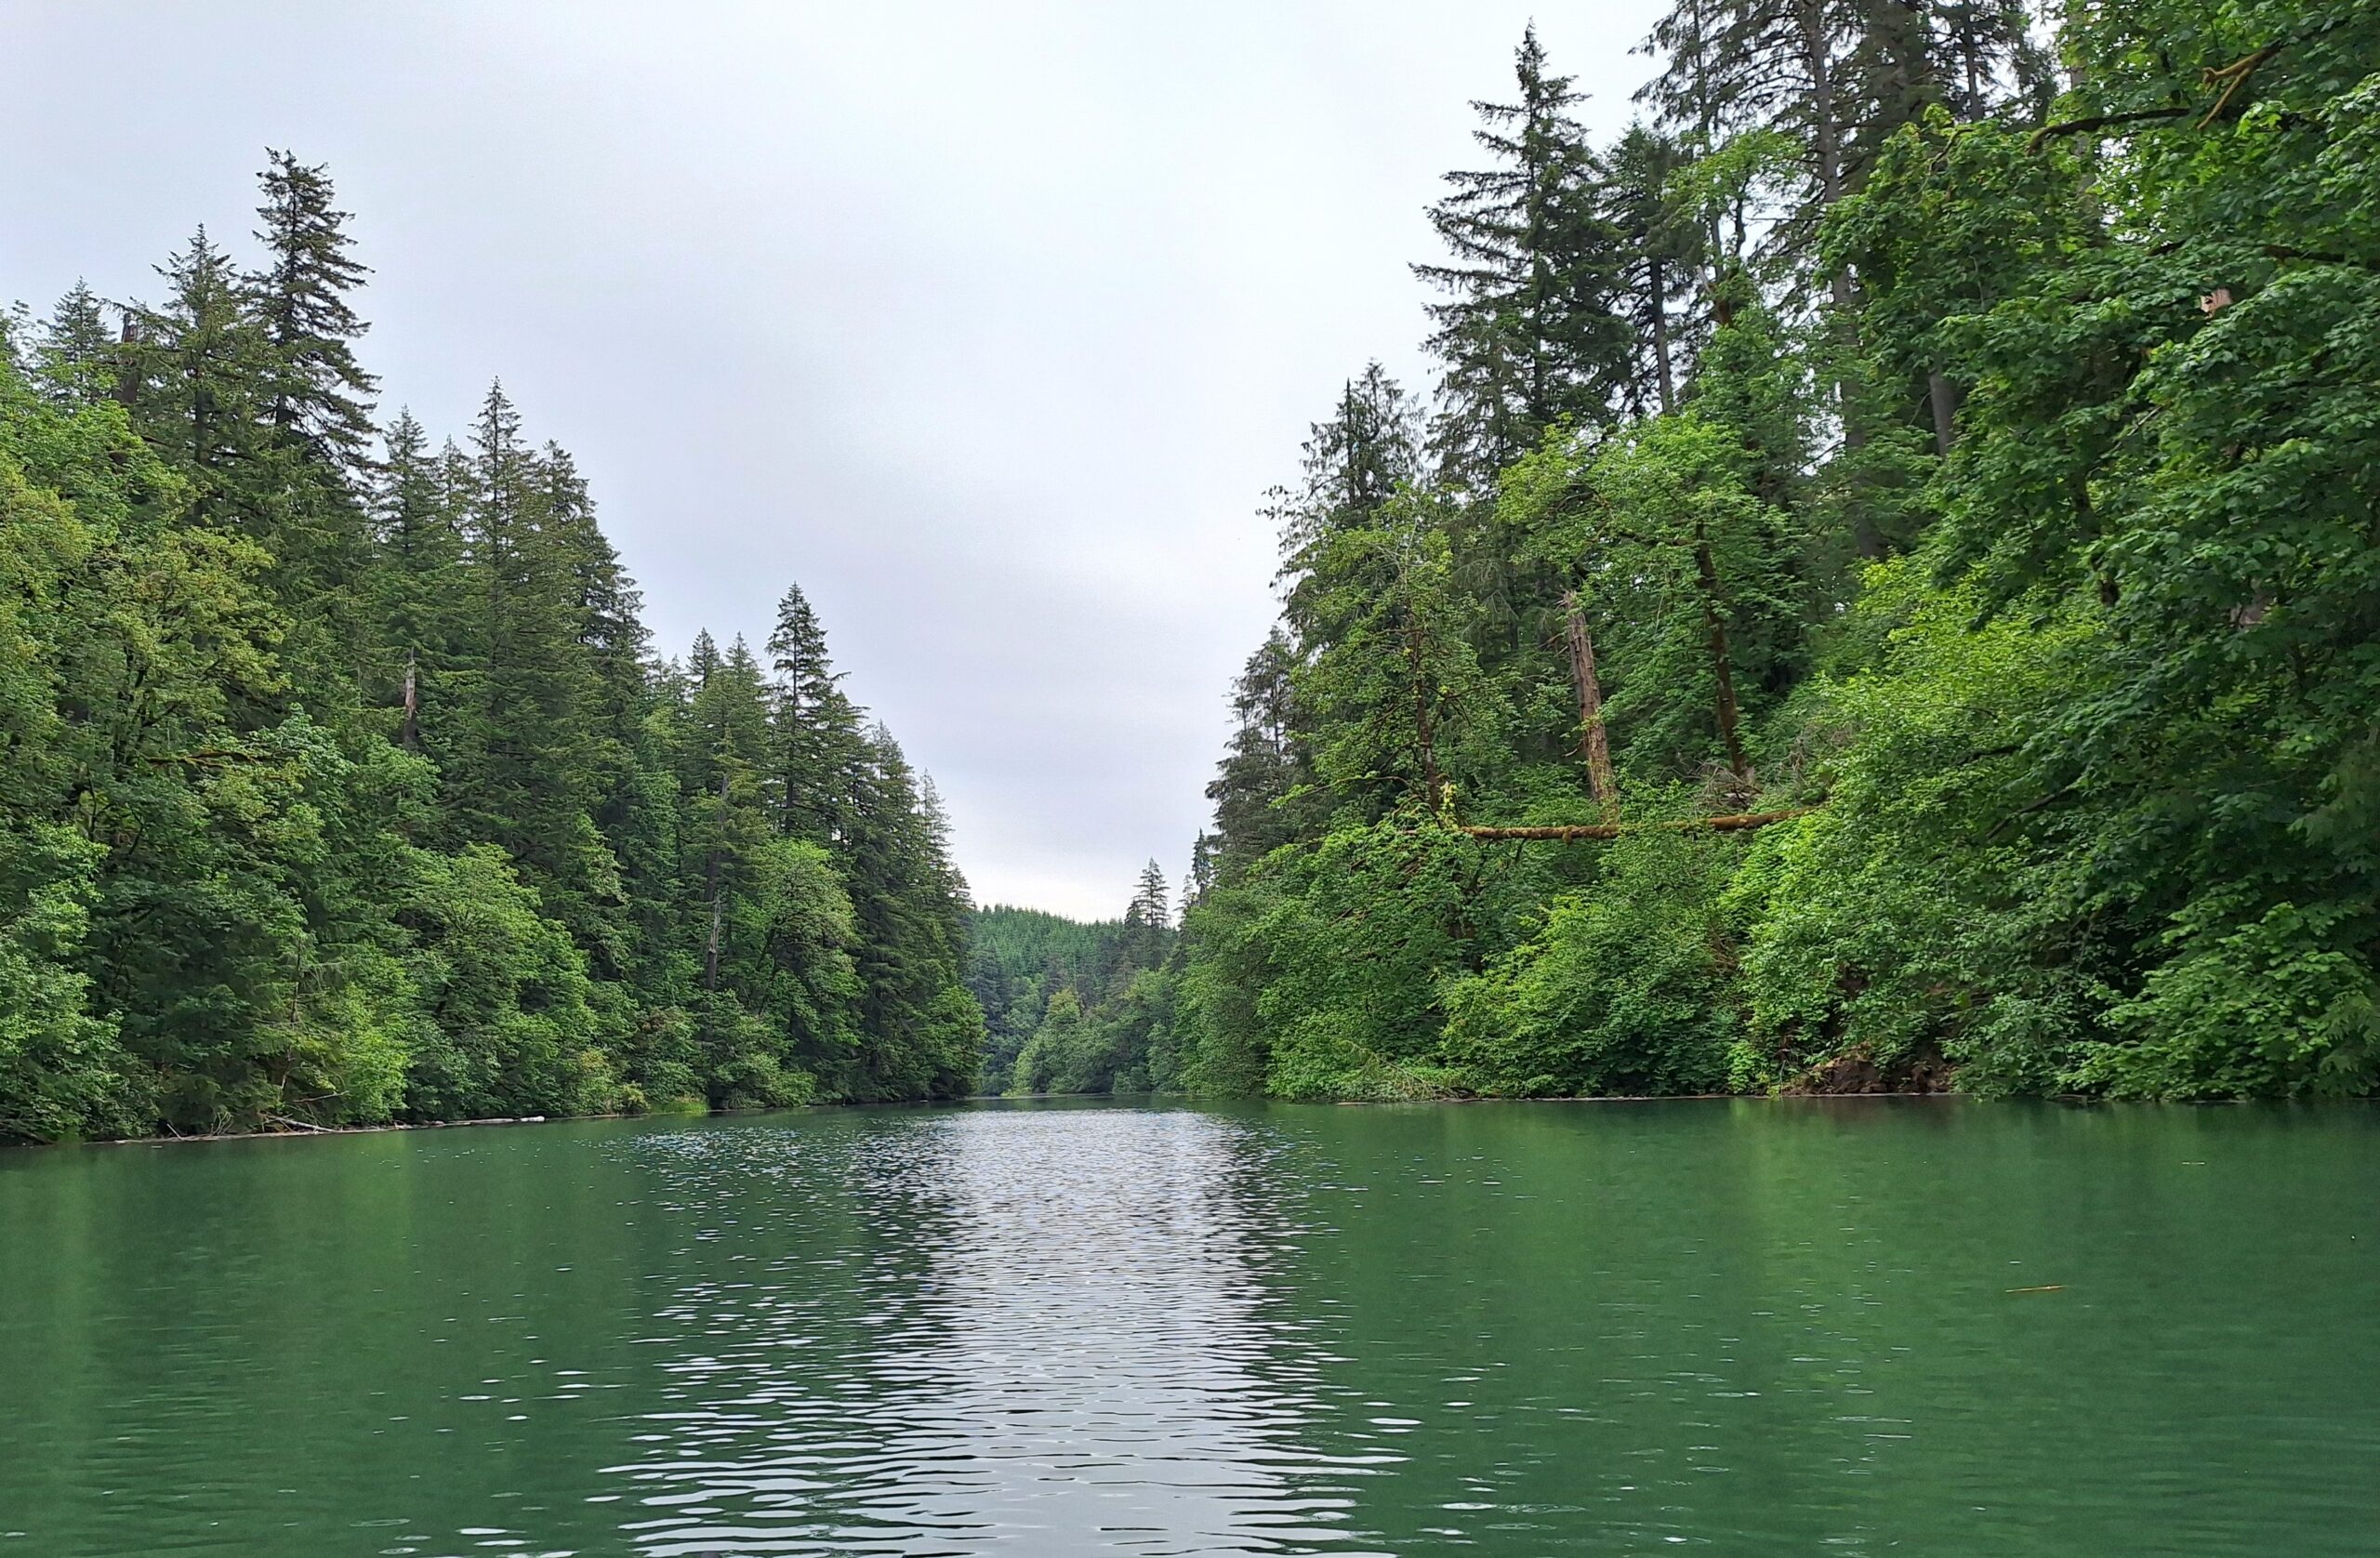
(1059, 1341)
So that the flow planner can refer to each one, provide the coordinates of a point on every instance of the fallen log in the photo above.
(1732, 823)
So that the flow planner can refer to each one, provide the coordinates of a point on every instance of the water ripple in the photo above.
(1498, 1330)
(1066, 1343)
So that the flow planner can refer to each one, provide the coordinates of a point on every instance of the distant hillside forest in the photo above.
(340, 783)
(1072, 1007)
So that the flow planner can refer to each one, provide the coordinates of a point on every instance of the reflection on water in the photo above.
(1502, 1331)
(1057, 1340)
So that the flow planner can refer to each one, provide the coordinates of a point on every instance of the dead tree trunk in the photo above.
(1706, 571)
(718, 907)
(1592, 744)
(127, 378)
(409, 728)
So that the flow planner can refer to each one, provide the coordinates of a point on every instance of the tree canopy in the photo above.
(1881, 593)
(1930, 644)
(340, 783)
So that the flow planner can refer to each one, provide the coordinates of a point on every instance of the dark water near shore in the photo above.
(1508, 1330)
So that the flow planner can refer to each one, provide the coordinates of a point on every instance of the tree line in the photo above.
(1075, 1007)
(340, 783)
(1882, 594)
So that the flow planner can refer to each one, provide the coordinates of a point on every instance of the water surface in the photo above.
(1504, 1330)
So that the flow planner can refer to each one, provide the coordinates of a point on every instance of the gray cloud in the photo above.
(988, 323)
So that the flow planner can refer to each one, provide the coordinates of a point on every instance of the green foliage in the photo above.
(61, 1073)
(1221, 1043)
(1360, 932)
(336, 791)
(1967, 495)
(1926, 912)
(2075, 782)
(507, 1023)
(1063, 1055)
(1532, 334)
(1075, 1007)
(1627, 989)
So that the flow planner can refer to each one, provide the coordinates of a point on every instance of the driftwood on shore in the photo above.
(297, 1130)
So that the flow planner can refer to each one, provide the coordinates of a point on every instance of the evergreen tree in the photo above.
(76, 352)
(199, 364)
(1352, 465)
(813, 728)
(609, 633)
(1531, 334)
(915, 1013)
(315, 394)
(1828, 83)
(1664, 255)
(416, 586)
(1987, 57)
(1266, 768)
(725, 829)
(526, 771)
(1736, 67)
(1150, 909)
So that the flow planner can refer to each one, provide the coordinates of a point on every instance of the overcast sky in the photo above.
(989, 323)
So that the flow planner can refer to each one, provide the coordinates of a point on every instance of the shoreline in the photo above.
(1141, 1099)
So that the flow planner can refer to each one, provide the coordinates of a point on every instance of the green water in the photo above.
(1494, 1329)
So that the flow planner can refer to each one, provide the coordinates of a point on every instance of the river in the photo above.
(1747, 1327)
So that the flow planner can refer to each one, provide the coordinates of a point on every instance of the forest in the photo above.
(1071, 1007)
(340, 783)
(1882, 594)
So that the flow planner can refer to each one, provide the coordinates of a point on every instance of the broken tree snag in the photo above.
(409, 731)
(1706, 569)
(127, 379)
(2231, 75)
(1593, 745)
(1733, 823)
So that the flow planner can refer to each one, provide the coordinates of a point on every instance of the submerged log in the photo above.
(1732, 823)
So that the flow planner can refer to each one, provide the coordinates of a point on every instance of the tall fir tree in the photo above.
(75, 354)
(1148, 918)
(316, 394)
(813, 727)
(1661, 277)
(528, 772)
(1530, 333)
(1352, 464)
(415, 589)
(198, 366)
(1265, 767)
